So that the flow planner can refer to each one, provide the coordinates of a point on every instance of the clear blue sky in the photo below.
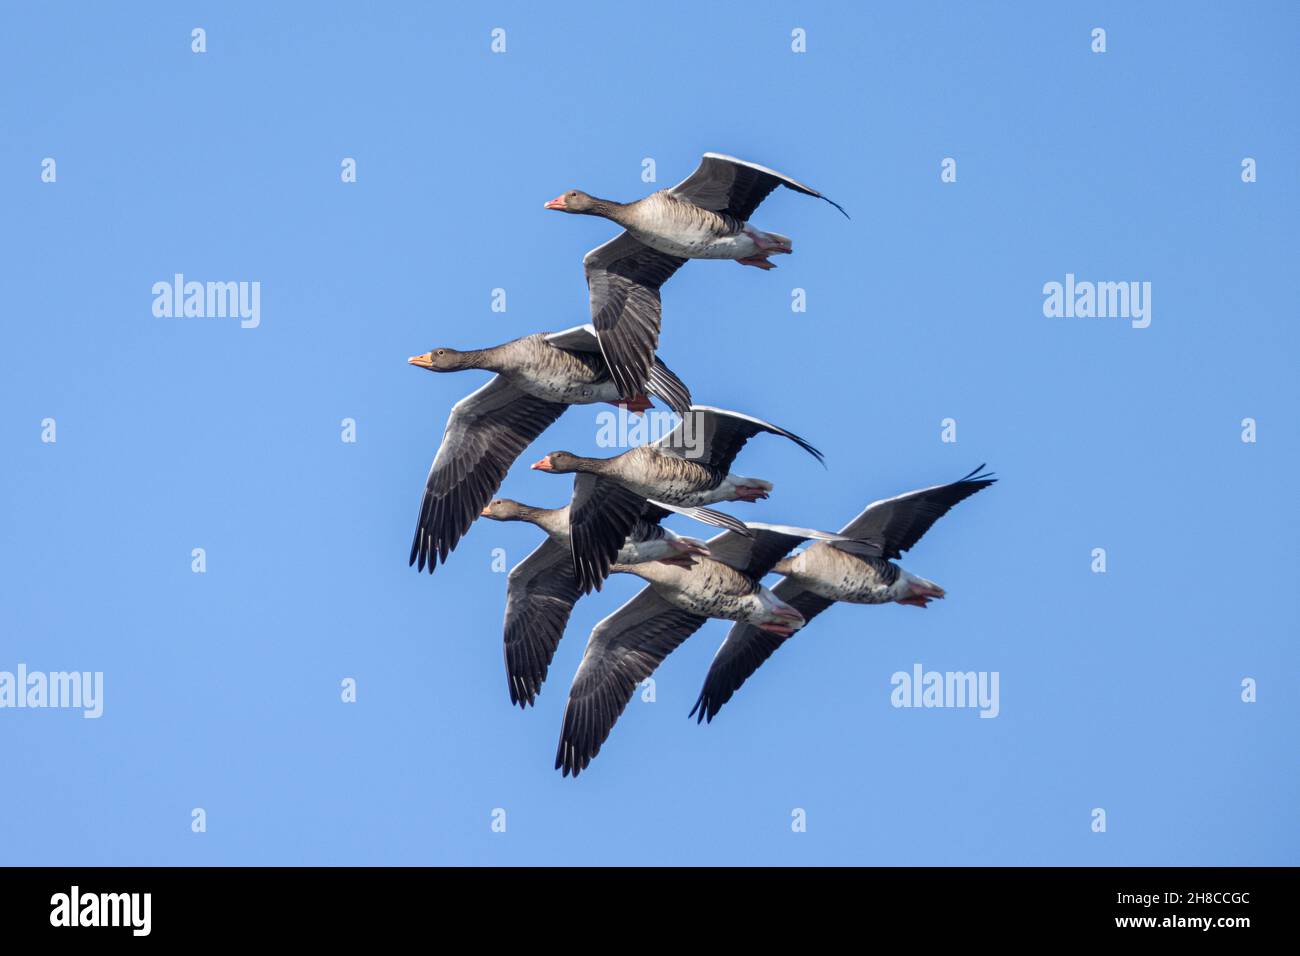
(1118, 690)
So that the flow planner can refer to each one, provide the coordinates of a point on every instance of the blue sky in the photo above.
(1119, 690)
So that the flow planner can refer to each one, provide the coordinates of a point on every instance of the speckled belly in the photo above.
(861, 588)
(729, 607)
(567, 391)
(701, 245)
(710, 589)
(683, 492)
(693, 499)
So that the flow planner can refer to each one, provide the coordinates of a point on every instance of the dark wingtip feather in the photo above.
(978, 475)
(806, 446)
(837, 206)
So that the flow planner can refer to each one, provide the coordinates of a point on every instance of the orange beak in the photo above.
(556, 203)
(423, 361)
(543, 465)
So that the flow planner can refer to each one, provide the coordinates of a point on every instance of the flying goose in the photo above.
(703, 217)
(542, 590)
(626, 647)
(689, 466)
(856, 571)
(537, 378)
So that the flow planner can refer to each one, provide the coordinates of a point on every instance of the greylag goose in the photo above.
(689, 466)
(537, 378)
(855, 571)
(626, 647)
(542, 590)
(705, 216)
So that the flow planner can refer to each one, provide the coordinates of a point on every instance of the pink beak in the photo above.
(556, 203)
(543, 465)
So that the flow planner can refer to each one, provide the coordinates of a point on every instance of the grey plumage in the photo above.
(697, 218)
(857, 570)
(538, 377)
(623, 281)
(734, 187)
(626, 647)
(542, 590)
(688, 466)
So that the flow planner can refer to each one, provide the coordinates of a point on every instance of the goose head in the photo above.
(558, 463)
(443, 360)
(504, 509)
(575, 201)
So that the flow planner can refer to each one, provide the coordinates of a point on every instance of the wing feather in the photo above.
(623, 279)
(541, 592)
(734, 187)
(486, 431)
(746, 648)
(891, 526)
(715, 436)
(624, 649)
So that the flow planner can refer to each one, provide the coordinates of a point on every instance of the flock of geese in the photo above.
(612, 523)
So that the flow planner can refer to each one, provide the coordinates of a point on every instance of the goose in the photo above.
(537, 378)
(859, 570)
(688, 467)
(705, 216)
(541, 589)
(626, 647)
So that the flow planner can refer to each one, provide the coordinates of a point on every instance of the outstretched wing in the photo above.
(601, 516)
(715, 436)
(541, 592)
(761, 546)
(888, 528)
(486, 432)
(746, 648)
(623, 277)
(624, 649)
(734, 187)
(884, 529)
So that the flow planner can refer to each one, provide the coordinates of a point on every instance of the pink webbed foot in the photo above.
(751, 493)
(927, 590)
(769, 244)
(785, 621)
(920, 595)
(638, 405)
(689, 546)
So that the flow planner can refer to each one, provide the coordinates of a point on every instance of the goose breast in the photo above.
(838, 576)
(560, 375)
(709, 589)
(676, 227)
(660, 477)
